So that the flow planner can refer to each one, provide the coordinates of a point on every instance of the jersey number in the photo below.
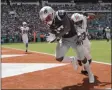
(25, 31)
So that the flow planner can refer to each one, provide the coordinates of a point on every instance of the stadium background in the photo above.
(38, 68)
(28, 11)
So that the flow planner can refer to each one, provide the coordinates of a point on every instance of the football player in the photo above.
(108, 33)
(80, 22)
(63, 29)
(24, 30)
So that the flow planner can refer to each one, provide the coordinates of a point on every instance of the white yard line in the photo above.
(13, 69)
(12, 55)
(53, 55)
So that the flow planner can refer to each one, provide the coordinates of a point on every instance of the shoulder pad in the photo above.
(21, 28)
(61, 14)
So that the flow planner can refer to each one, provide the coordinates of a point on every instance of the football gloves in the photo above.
(50, 37)
(79, 40)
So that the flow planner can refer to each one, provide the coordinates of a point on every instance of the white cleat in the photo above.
(91, 78)
(75, 63)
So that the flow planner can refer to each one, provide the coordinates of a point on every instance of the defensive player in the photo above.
(62, 28)
(24, 30)
(108, 34)
(80, 22)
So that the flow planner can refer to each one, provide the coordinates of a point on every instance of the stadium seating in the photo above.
(29, 13)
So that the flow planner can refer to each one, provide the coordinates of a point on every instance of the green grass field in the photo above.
(100, 49)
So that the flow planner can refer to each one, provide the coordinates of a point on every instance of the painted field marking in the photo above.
(4, 51)
(23, 71)
(13, 69)
(108, 88)
(54, 55)
(11, 55)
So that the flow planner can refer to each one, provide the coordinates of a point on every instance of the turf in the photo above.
(100, 49)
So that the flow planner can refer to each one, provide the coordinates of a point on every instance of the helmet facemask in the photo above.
(49, 19)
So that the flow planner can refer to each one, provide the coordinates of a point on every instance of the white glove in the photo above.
(51, 38)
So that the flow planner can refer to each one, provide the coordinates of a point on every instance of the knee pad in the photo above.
(59, 59)
(79, 62)
(90, 61)
(84, 61)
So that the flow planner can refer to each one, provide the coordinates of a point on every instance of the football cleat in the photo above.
(91, 78)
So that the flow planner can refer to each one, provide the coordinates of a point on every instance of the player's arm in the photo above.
(50, 36)
(28, 30)
(52, 30)
(21, 30)
(66, 27)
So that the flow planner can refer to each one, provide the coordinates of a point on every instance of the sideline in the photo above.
(52, 54)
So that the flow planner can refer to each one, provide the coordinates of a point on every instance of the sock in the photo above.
(87, 67)
(67, 59)
(26, 46)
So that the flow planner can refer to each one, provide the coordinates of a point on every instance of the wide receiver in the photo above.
(108, 33)
(24, 31)
(80, 22)
(62, 29)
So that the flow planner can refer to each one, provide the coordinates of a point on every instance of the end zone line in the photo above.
(52, 54)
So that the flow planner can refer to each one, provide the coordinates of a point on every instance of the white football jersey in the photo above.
(107, 30)
(24, 30)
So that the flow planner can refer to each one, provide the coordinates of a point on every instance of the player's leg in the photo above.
(81, 55)
(61, 50)
(25, 41)
(26, 44)
(83, 71)
(85, 62)
(87, 47)
(108, 36)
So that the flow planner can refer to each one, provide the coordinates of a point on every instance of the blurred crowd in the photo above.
(10, 23)
(81, 6)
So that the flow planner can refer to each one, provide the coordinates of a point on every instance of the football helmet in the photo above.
(47, 15)
(76, 17)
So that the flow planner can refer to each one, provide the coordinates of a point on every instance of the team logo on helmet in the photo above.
(45, 11)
